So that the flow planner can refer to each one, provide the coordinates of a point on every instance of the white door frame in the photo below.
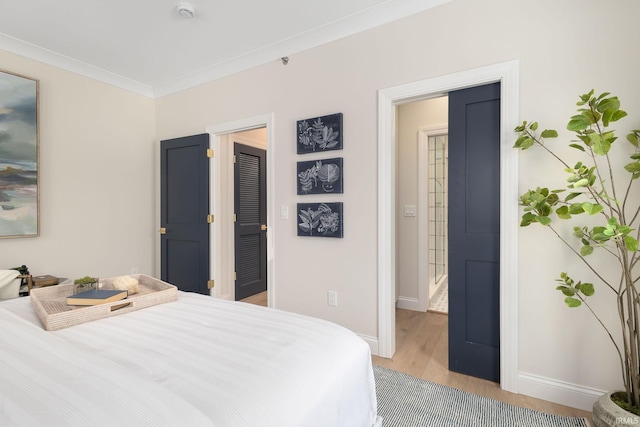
(217, 131)
(507, 74)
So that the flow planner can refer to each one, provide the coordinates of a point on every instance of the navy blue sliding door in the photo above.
(474, 231)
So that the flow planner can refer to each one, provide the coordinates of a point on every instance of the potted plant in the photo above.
(596, 187)
(85, 283)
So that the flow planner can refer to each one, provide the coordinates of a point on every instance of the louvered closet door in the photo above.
(251, 219)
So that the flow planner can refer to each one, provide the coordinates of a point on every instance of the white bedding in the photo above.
(197, 361)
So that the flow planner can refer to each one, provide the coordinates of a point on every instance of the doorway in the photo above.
(422, 128)
(472, 138)
(256, 130)
(389, 99)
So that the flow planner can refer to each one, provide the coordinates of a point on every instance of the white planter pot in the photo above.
(607, 414)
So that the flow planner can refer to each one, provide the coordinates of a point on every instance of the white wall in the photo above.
(97, 204)
(564, 49)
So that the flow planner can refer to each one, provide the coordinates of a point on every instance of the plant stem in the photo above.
(583, 260)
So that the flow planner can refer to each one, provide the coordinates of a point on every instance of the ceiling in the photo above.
(147, 47)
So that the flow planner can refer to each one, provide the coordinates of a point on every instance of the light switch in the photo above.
(284, 212)
(409, 210)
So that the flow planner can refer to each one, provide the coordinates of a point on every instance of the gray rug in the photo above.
(406, 401)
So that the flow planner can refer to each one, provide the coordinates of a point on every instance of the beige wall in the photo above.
(97, 204)
(563, 48)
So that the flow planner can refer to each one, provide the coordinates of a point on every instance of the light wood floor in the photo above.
(257, 299)
(422, 351)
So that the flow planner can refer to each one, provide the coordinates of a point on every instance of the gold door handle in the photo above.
(163, 230)
(263, 227)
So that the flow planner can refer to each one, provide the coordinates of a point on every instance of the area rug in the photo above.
(406, 401)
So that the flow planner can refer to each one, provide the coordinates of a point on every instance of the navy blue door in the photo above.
(474, 231)
(250, 176)
(184, 209)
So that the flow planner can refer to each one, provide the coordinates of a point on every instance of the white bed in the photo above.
(197, 361)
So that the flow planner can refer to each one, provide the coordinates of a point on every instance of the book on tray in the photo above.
(96, 296)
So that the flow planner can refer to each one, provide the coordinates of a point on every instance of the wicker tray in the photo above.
(50, 303)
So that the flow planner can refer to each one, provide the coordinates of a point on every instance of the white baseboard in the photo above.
(373, 343)
(573, 395)
(407, 303)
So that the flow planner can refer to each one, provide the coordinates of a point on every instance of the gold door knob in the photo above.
(263, 227)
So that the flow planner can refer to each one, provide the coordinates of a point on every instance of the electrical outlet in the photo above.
(332, 298)
(134, 270)
(409, 210)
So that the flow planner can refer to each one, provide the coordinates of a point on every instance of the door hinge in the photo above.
(163, 230)
(235, 159)
(235, 217)
(210, 153)
(210, 219)
(211, 284)
(235, 276)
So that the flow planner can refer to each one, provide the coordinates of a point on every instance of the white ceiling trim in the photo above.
(380, 14)
(67, 63)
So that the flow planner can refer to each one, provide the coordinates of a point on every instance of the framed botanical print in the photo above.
(319, 134)
(320, 219)
(322, 176)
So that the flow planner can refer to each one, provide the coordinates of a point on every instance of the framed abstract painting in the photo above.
(19, 148)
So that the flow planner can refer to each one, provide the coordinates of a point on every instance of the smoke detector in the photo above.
(186, 10)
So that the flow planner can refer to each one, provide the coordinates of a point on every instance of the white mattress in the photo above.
(198, 361)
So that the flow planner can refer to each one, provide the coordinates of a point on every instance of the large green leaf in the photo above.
(586, 250)
(563, 212)
(576, 208)
(586, 288)
(572, 302)
(549, 133)
(571, 196)
(630, 243)
(578, 123)
(633, 167)
(591, 208)
(583, 182)
(523, 142)
(618, 115)
(544, 220)
(566, 290)
(601, 145)
(527, 219)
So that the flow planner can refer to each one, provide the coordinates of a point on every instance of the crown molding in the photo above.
(377, 15)
(67, 63)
